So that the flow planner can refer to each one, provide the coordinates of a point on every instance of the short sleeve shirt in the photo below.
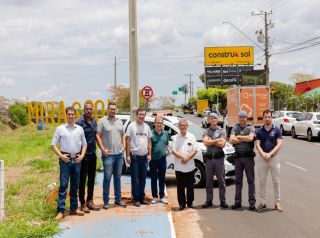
(111, 131)
(268, 139)
(70, 138)
(139, 137)
(184, 144)
(214, 134)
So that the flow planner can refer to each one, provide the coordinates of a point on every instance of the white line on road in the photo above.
(296, 166)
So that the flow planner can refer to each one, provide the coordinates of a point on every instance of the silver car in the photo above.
(171, 126)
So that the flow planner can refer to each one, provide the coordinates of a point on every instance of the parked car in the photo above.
(205, 123)
(205, 112)
(171, 126)
(284, 120)
(307, 125)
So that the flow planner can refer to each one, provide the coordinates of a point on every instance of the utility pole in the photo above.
(266, 40)
(115, 79)
(133, 52)
(190, 85)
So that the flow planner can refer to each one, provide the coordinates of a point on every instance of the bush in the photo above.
(19, 113)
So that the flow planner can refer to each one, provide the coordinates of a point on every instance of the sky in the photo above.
(65, 49)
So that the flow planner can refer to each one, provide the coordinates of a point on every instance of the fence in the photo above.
(1, 190)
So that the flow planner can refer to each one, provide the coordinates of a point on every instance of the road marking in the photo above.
(296, 166)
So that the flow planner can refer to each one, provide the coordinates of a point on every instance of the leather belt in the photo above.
(71, 155)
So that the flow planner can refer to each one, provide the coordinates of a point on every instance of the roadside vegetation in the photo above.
(26, 212)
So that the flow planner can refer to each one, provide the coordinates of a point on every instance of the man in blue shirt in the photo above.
(269, 141)
(89, 162)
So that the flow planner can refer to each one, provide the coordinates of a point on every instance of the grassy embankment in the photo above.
(26, 213)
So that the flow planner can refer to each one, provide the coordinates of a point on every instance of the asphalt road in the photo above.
(300, 198)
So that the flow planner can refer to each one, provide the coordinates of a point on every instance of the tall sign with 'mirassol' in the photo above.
(225, 65)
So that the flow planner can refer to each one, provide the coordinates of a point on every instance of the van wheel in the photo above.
(199, 175)
(293, 133)
(309, 135)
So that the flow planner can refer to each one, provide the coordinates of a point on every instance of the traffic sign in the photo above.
(174, 92)
(147, 92)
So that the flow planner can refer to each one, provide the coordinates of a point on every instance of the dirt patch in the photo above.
(12, 174)
(186, 221)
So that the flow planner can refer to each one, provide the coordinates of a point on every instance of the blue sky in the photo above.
(64, 49)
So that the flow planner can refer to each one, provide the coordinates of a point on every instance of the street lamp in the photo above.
(226, 22)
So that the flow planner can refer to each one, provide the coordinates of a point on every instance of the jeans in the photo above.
(138, 169)
(158, 172)
(112, 165)
(88, 169)
(68, 170)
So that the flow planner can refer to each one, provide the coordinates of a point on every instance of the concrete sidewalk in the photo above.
(145, 221)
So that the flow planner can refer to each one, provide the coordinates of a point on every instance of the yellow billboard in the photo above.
(232, 55)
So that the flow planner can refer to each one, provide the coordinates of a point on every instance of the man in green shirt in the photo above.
(158, 163)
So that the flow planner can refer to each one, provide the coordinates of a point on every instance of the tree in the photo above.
(165, 103)
(19, 113)
(123, 98)
(301, 77)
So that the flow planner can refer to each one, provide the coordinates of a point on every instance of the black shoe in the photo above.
(181, 207)
(144, 202)
(136, 203)
(207, 204)
(192, 206)
(252, 207)
(120, 204)
(236, 206)
(224, 205)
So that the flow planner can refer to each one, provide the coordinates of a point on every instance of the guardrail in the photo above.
(1, 190)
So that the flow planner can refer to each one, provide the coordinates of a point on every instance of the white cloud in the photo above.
(5, 81)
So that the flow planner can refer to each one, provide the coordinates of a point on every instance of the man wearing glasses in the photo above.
(72, 150)
(158, 163)
(138, 155)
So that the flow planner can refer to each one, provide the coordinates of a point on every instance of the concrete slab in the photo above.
(146, 221)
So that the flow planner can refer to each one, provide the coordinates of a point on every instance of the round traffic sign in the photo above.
(147, 92)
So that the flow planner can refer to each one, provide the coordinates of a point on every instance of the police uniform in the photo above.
(244, 161)
(215, 166)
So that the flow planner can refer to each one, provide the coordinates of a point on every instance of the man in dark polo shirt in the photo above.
(89, 163)
(242, 136)
(158, 163)
(269, 141)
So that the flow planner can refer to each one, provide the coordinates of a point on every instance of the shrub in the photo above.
(19, 113)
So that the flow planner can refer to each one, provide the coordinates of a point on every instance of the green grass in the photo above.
(26, 214)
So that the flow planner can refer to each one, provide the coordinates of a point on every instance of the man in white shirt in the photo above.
(72, 150)
(184, 148)
(138, 154)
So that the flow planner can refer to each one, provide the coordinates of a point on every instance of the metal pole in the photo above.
(1, 190)
(133, 51)
(266, 46)
(115, 78)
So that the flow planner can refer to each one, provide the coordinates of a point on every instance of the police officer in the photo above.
(215, 139)
(242, 138)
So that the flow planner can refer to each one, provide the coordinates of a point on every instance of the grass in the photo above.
(26, 214)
